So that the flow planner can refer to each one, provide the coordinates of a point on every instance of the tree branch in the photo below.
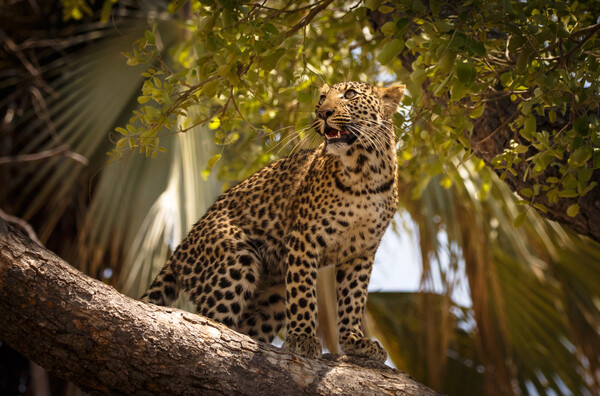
(306, 20)
(25, 226)
(85, 331)
(60, 150)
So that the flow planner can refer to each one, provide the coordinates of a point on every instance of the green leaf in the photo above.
(458, 91)
(385, 9)
(582, 125)
(231, 138)
(529, 126)
(596, 160)
(476, 48)
(552, 180)
(390, 50)
(580, 156)
(478, 111)
(175, 5)
(521, 149)
(520, 219)
(418, 76)
(573, 210)
(269, 28)
(402, 23)
(568, 194)
(269, 62)
(466, 73)
(589, 188)
(435, 6)
(211, 162)
(214, 123)
(458, 41)
(522, 62)
(206, 24)
(388, 28)
(419, 7)
(447, 60)
(373, 4)
(224, 70)
(526, 192)
(443, 26)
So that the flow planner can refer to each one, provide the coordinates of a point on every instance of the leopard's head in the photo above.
(351, 111)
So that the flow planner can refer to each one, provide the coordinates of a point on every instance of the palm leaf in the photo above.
(522, 282)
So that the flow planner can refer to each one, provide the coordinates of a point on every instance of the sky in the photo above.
(398, 265)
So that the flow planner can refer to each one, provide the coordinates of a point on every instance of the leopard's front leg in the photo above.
(301, 298)
(352, 281)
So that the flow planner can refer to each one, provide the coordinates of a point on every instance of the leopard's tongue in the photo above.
(334, 133)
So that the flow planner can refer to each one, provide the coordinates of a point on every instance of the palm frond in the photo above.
(531, 288)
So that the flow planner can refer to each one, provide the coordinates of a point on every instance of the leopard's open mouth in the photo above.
(333, 135)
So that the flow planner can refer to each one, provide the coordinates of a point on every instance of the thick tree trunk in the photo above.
(85, 331)
(491, 136)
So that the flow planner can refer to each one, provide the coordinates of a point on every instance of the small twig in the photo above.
(590, 30)
(284, 8)
(306, 20)
(22, 224)
(239, 112)
(60, 150)
(183, 130)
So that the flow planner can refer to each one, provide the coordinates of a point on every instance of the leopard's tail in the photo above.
(163, 290)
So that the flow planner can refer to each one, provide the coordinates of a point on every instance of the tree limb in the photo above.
(63, 149)
(25, 226)
(85, 331)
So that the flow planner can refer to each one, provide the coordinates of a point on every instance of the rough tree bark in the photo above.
(85, 331)
(491, 136)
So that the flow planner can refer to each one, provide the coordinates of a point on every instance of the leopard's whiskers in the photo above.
(290, 137)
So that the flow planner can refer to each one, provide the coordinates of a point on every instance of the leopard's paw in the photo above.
(365, 347)
(305, 345)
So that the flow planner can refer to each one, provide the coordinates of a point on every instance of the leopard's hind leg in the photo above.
(225, 290)
(264, 317)
(164, 289)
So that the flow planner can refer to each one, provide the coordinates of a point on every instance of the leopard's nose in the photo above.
(325, 113)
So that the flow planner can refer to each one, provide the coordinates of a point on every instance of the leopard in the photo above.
(251, 261)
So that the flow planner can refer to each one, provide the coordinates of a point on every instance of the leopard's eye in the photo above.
(321, 99)
(350, 94)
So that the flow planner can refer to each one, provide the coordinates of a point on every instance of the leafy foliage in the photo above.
(242, 64)
(244, 75)
(541, 55)
(518, 291)
(250, 69)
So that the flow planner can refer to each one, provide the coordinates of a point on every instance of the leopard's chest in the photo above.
(355, 229)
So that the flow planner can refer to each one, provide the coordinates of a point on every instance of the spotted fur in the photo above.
(251, 261)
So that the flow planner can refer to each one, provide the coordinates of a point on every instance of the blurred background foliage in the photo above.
(499, 310)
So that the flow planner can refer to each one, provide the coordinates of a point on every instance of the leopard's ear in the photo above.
(390, 98)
